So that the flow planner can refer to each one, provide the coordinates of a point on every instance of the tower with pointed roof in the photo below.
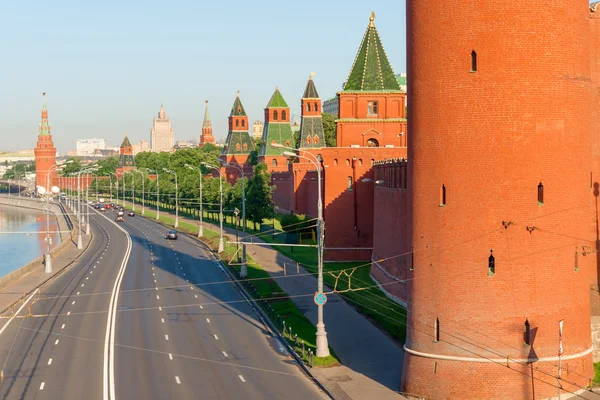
(126, 159)
(372, 112)
(311, 126)
(45, 152)
(239, 143)
(162, 137)
(277, 129)
(207, 133)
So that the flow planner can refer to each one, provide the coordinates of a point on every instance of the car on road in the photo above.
(102, 209)
(97, 206)
(108, 206)
(172, 235)
(120, 213)
(119, 218)
(131, 213)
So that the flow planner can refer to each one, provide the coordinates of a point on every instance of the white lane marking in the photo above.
(158, 297)
(83, 284)
(155, 281)
(159, 308)
(216, 337)
(18, 311)
(191, 287)
(73, 302)
(42, 385)
(177, 380)
(170, 356)
(87, 277)
(50, 362)
(78, 293)
(208, 320)
(68, 312)
(196, 296)
(94, 266)
(242, 378)
(202, 308)
(55, 343)
(91, 272)
(162, 320)
(166, 337)
(225, 354)
(63, 326)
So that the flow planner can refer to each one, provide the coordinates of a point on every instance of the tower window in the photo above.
(540, 194)
(245, 146)
(372, 143)
(436, 330)
(316, 139)
(316, 107)
(287, 143)
(491, 264)
(527, 333)
(349, 183)
(372, 108)
(283, 115)
(237, 123)
(442, 196)
(274, 162)
(335, 162)
(473, 61)
(308, 107)
(238, 146)
(308, 140)
(274, 115)
(243, 123)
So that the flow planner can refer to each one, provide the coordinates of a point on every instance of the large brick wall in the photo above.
(490, 136)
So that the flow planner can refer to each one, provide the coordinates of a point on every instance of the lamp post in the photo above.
(143, 190)
(176, 200)
(132, 188)
(201, 229)
(80, 213)
(87, 198)
(322, 345)
(221, 246)
(244, 268)
(157, 197)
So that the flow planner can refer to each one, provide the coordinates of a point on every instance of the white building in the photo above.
(162, 137)
(140, 146)
(87, 147)
(257, 130)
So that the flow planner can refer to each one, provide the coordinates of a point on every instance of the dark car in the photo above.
(172, 235)
(97, 206)
(131, 214)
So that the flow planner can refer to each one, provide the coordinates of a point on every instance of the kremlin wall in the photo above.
(478, 209)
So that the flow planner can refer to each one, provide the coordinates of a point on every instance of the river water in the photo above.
(18, 249)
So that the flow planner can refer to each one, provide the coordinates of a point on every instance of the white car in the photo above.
(102, 208)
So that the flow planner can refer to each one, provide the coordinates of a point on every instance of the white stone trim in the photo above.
(388, 294)
(497, 360)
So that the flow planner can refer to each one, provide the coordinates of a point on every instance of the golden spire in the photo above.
(238, 94)
(372, 20)
(311, 75)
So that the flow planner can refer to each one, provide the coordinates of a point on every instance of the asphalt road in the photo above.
(180, 329)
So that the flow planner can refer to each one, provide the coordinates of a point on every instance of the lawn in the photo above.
(596, 381)
(279, 308)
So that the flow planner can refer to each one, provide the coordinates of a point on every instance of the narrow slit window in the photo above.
(243, 123)
(436, 330)
(308, 107)
(540, 194)
(275, 115)
(442, 196)
(491, 264)
(316, 106)
(473, 61)
(237, 123)
(527, 333)
(349, 180)
(283, 115)
(274, 163)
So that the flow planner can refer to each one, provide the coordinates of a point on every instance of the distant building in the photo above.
(86, 147)
(72, 153)
(162, 137)
(19, 156)
(257, 130)
(184, 144)
(140, 146)
(105, 153)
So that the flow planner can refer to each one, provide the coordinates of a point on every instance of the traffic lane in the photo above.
(61, 354)
(226, 322)
(143, 366)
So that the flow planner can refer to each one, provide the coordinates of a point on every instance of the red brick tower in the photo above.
(277, 129)
(499, 181)
(207, 133)
(45, 152)
(126, 158)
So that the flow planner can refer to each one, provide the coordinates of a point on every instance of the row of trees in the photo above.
(19, 170)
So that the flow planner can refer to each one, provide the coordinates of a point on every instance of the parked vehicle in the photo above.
(172, 235)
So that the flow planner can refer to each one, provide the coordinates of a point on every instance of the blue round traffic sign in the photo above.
(320, 299)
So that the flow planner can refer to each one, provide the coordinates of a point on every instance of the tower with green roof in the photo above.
(239, 143)
(372, 103)
(311, 127)
(277, 129)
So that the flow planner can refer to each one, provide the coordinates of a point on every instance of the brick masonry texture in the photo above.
(490, 137)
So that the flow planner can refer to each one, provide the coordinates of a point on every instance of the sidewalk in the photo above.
(19, 288)
(372, 362)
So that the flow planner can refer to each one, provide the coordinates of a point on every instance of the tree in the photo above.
(259, 195)
(108, 165)
(329, 129)
(73, 166)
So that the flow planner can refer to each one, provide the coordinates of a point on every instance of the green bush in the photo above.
(289, 222)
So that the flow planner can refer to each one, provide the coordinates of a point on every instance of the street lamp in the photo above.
(221, 247)
(143, 190)
(322, 345)
(201, 229)
(116, 187)
(132, 188)
(244, 268)
(80, 210)
(87, 197)
(168, 171)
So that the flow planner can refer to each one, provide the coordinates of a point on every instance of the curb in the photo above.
(264, 317)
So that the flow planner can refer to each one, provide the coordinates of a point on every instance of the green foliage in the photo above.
(289, 222)
(329, 128)
(259, 195)
(18, 170)
(596, 381)
(107, 166)
(73, 166)
(253, 158)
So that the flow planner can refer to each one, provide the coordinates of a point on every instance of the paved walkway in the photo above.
(17, 289)
(372, 362)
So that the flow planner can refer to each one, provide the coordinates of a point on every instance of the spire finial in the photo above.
(372, 20)
(206, 101)
(238, 94)
(311, 75)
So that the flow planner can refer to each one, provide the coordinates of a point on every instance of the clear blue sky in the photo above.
(107, 65)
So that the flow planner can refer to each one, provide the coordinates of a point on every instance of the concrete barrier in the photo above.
(64, 222)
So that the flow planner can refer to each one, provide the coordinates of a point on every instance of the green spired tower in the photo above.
(277, 130)
(239, 143)
(311, 127)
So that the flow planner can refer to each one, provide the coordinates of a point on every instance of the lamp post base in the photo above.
(200, 232)
(79, 241)
(244, 270)
(221, 247)
(87, 229)
(322, 344)
(48, 264)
